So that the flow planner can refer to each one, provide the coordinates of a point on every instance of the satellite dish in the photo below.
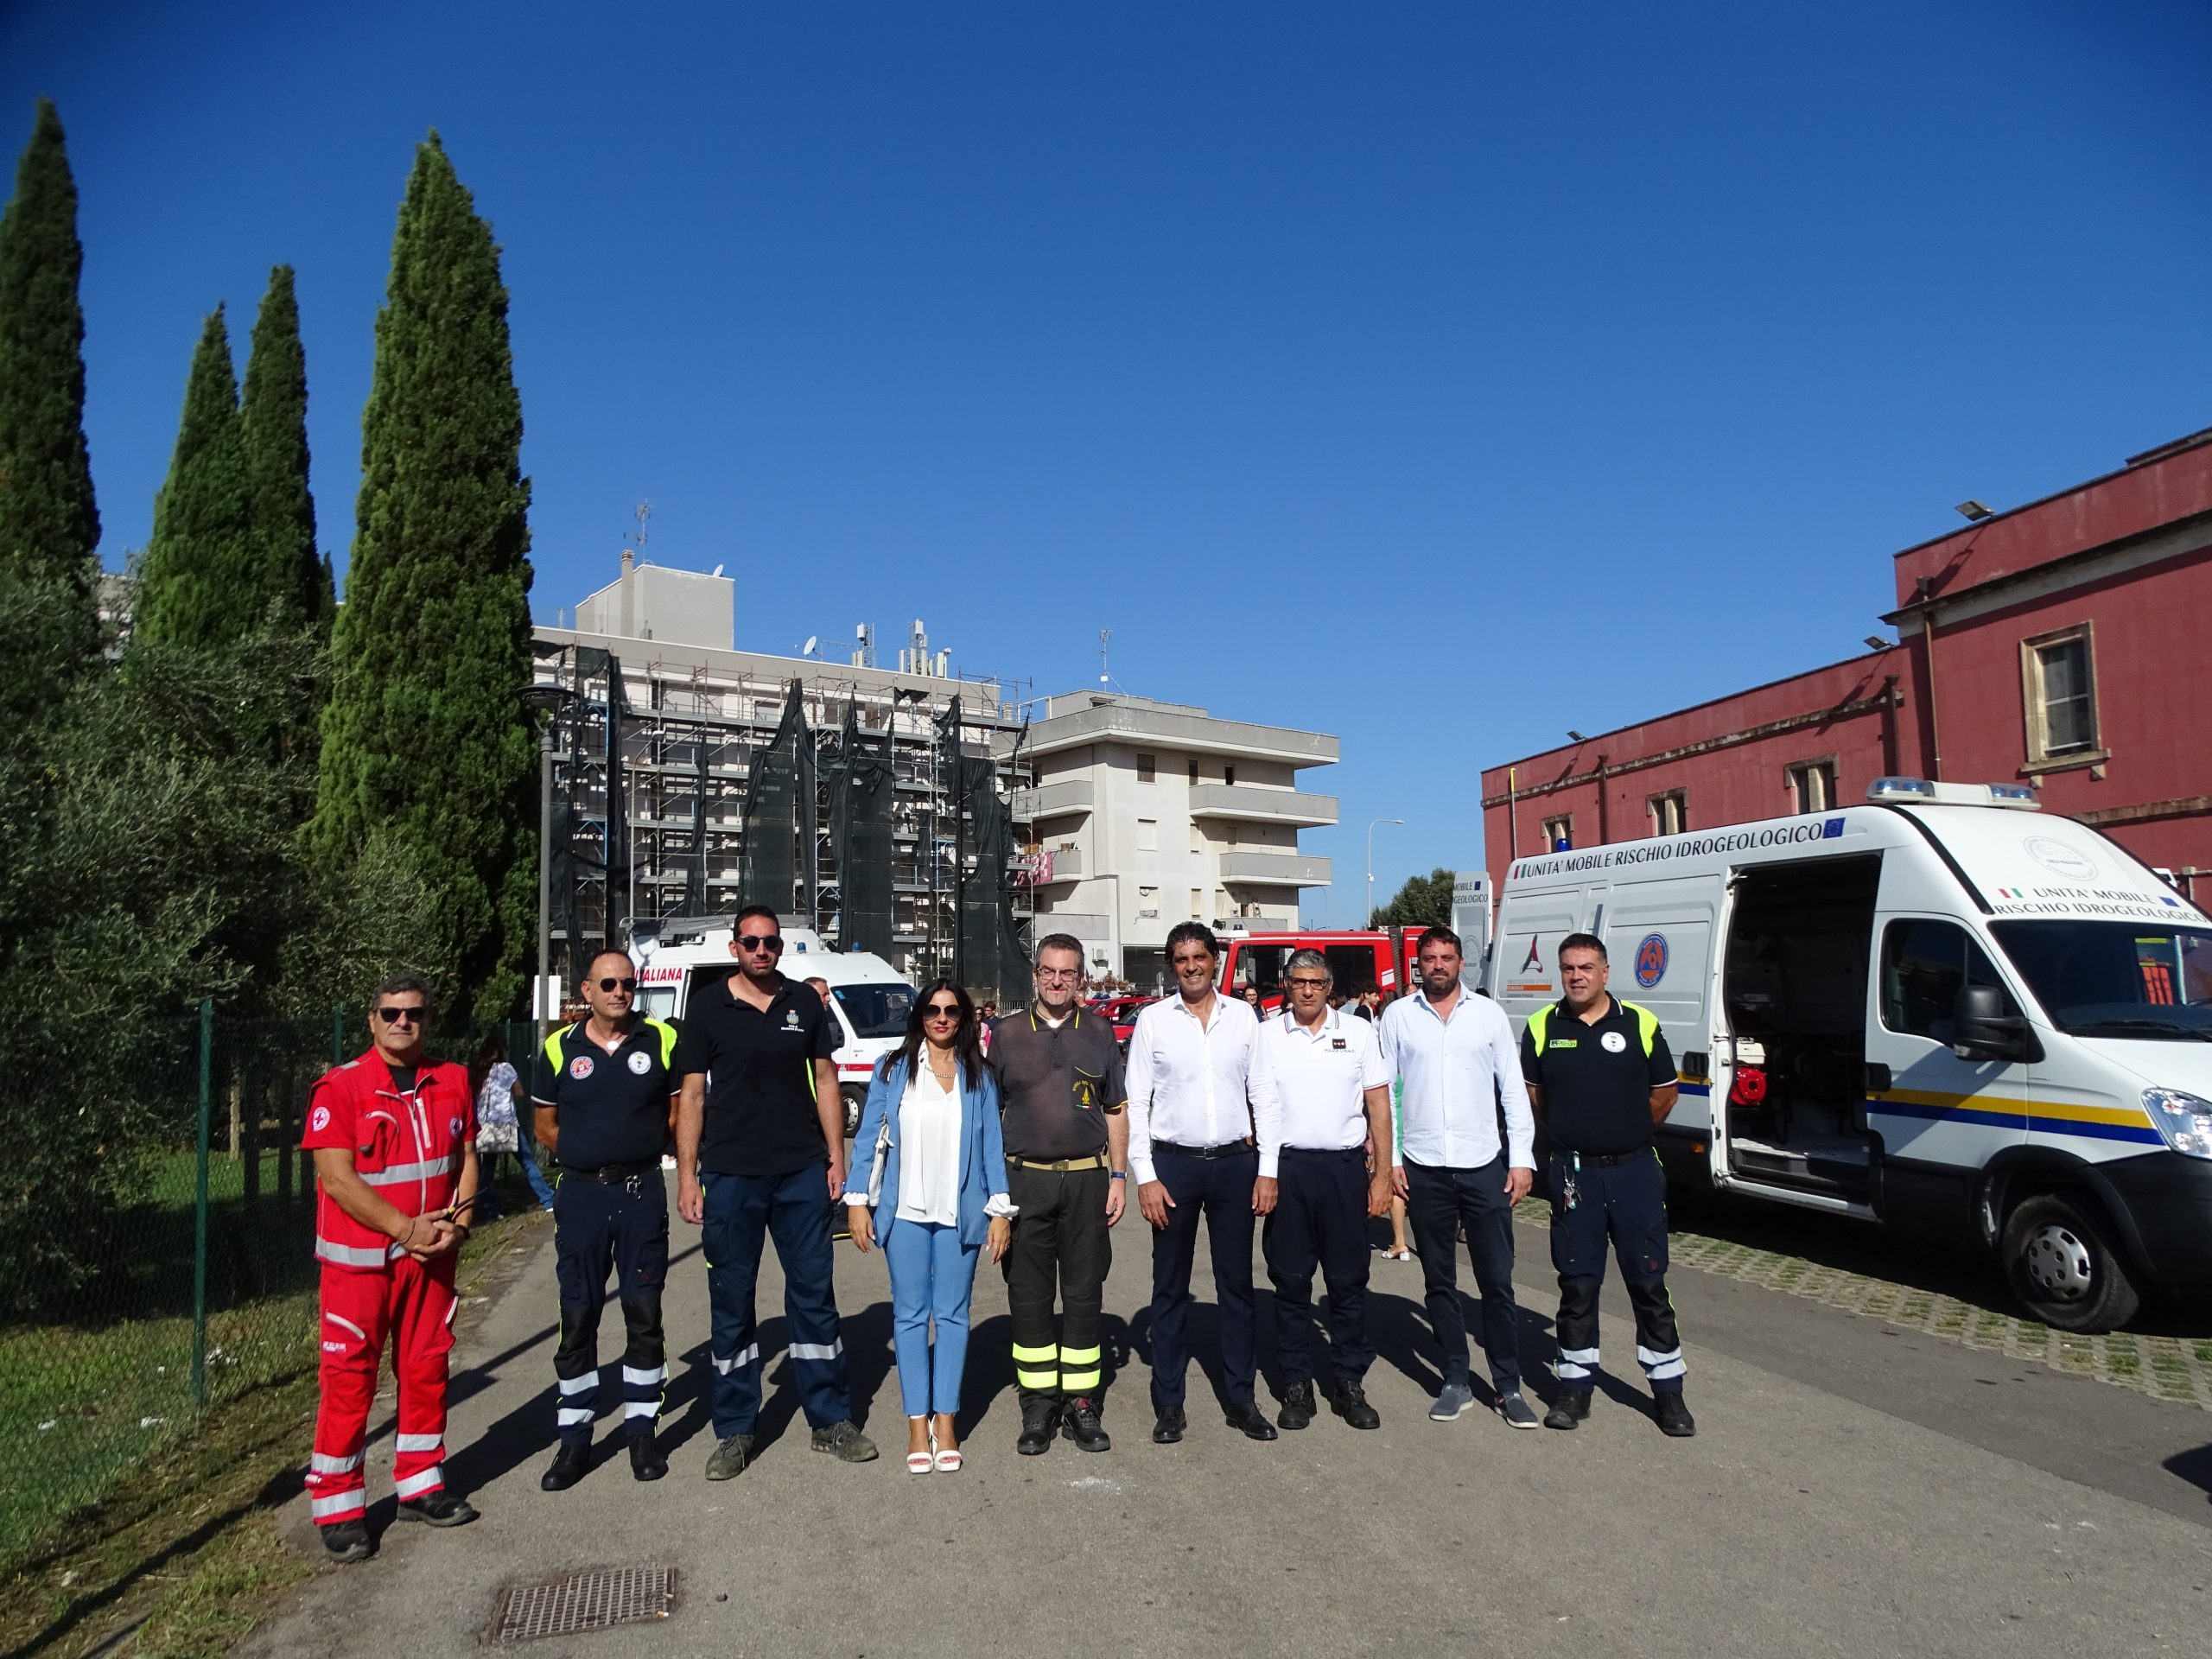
(812, 640)
(718, 570)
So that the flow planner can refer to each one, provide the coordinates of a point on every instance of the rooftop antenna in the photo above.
(1104, 634)
(643, 512)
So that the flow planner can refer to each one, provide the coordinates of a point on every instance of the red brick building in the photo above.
(2061, 644)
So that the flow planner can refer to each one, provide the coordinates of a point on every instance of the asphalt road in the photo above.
(1852, 1490)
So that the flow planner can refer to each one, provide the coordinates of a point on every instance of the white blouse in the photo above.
(929, 1150)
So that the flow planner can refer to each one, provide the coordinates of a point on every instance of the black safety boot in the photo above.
(570, 1464)
(1039, 1418)
(1079, 1423)
(1298, 1405)
(438, 1508)
(348, 1542)
(645, 1460)
(1675, 1417)
(1571, 1409)
(1349, 1401)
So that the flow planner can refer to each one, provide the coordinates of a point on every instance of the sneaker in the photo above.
(1079, 1423)
(348, 1542)
(1516, 1410)
(1038, 1420)
(438, 1508)
(1349, 1401)
(1454, 1399)
(1574, 1407)
(730, 1458)
(645, 1460)
(1297, 1406)
(1675, 1417)
(570, 1464)
(846, 1442)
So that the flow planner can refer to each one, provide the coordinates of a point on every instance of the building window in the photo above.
(1812, 786)
(2059, 686)
(1148, 834)
(1194, 768)
(1559, 832)
(1229, 774)
(1197, 837)
(1197, 901)
(1669, 813)
(1146, 766)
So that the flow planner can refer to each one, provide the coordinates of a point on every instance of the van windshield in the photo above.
(875, 1010)
(2116, 979)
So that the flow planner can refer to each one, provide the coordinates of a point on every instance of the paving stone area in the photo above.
(2165, 1367)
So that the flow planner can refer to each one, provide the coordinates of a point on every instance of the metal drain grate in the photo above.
(591, 1600)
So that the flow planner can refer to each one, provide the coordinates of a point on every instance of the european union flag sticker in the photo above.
(1832, 828)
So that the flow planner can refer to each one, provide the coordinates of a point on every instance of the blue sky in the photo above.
(1438, 376)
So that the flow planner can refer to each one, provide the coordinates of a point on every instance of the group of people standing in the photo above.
(1018, 1144)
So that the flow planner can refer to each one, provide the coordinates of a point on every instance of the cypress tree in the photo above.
(48, 524)
(424, 736)
(273, 427)
(202, 584)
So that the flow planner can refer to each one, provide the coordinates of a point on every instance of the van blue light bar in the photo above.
(1894, 789)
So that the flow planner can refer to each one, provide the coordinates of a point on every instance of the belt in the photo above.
(1600, 1159)
(1096, 1161)
(1328, 1152)
(1227, 1149)
(612, 1174)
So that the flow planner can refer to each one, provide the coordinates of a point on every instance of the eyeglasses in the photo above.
(401, 1016)
(1309, 984)
(943, 1011)
(768, 942)
(1059, 972)
(618, 984)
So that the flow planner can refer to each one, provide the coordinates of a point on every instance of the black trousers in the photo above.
(596, 1228)
(1319, 1220)
(1439, 1201)
(1624, 1203)
(1219, 1190)
(1061, 1247)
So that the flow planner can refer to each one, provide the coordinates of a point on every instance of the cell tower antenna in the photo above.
(643, 512)
(1104, 634)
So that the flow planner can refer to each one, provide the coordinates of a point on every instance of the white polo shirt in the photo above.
(1455, 1072)
(1322, 1076)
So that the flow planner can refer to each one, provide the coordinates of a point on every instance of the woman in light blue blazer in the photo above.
(932, 1128)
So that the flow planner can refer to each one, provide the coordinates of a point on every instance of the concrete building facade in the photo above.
(1143, 814)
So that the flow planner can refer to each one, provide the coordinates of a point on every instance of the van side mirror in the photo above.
(1982, 1030)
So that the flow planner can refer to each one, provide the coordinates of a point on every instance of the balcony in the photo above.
(1262, 805)
(1082, 924)
(1276, 869)
(1059, 864)
(1185, 731)
(1053, 800)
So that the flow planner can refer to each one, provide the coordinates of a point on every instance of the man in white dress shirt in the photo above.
(1203, 1140)
(1452, 1052)
(1334, 1091)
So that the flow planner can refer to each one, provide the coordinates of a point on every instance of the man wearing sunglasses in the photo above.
(762, 1152)
(605, 1105)
(394, 1139)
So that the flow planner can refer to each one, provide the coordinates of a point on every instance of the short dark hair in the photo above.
(399, 985)
(598, 957)
(1439, 935)
(769, 910)
(1061, 941)
(1189, 933)
(1583, 942)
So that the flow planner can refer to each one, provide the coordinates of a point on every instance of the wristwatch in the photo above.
(1119, 1174)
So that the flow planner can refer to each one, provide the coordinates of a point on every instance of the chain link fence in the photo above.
(194, 1283)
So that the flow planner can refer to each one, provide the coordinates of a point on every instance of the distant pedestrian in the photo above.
(820, 987)
(502, 1130)
(756, 1157)
(1251, 997)
(939, 1201)
(394, 1139)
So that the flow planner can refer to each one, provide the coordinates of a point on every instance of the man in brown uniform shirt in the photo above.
(1067, 1139)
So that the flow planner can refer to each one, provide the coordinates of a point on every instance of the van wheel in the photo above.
(2062, 1268)
(854, 1100)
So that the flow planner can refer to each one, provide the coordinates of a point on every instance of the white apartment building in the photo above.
(1146, 814)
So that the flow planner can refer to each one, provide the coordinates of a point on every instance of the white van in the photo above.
(1934, 1006)
(870, 999)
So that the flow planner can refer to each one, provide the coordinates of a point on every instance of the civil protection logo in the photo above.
(1651, 960)
(1535, 956)
(580, 1068)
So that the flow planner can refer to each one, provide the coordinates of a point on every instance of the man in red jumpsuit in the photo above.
(394, 1139)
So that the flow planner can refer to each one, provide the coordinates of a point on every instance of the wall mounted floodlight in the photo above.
(1974, 510)
(1875, 642)
(1576, 735)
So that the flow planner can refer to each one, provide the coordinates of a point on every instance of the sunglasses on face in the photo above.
(401, 1016)
(769, 942)
(618, 984)
(943, 1011)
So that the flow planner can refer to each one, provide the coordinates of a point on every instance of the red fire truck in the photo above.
(1359, 961)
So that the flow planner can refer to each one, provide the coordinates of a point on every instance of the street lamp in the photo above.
(1371, 867)
(547, 699)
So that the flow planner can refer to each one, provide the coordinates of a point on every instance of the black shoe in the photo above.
(1349, 1401)
(1247, 1421)
(1675, 1417)
(1573, 1408)
(570, 1464)
(1169, 1427)
(1039, 1419)
(645, 1460)
(348, 1542)
(1079, 1423)
(1297, 1406)
(438, 1508)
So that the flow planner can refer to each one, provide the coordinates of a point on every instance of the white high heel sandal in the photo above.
(920, 1463)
